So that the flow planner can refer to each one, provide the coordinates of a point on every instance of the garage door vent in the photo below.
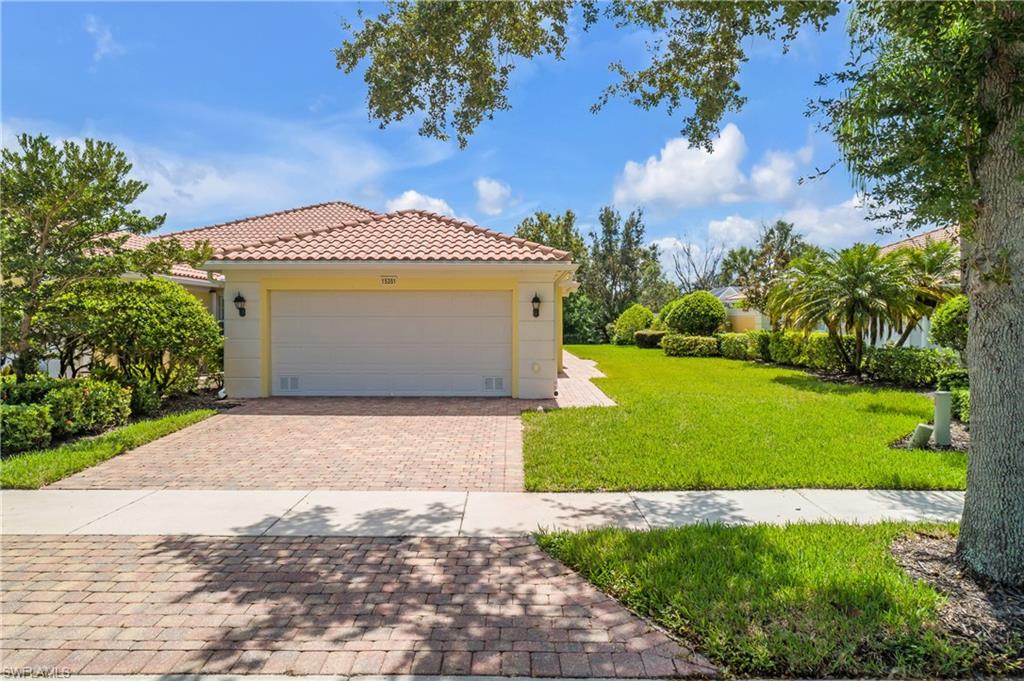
(288, 382)
(492, 383)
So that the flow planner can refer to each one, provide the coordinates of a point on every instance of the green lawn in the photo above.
(819, 600)
(32, 470)
(710, 423)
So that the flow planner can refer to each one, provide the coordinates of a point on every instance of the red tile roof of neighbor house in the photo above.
(412, 235)
(136, 242)
(947, 233)
(274, 225)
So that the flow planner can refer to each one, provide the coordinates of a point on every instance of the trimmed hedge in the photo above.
(696, 314)
(24, 427)
(952, 379)
(80, 405)
(910, 367)
(820, 353)
(787, 347)
(758, 345)
(733, 345)
(678, 345)
(649, 338)
(961, 402)
(635, 318)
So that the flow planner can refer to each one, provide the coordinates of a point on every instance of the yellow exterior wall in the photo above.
(536, 342)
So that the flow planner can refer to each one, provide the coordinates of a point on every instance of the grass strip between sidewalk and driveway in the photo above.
(713, 423)
(35, 469)
(808, 600)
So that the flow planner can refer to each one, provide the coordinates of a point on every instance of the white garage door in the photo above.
(391, 343)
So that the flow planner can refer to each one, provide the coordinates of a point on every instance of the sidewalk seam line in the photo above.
(800, 493)
(462, 518)
(640, 511)
(286, 512)
(124, 506)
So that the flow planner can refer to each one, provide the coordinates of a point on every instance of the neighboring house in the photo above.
(740, 319)
(334, 299)
(919, 337)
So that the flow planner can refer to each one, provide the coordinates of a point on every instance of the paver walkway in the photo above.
(119, 605)
(345, 443)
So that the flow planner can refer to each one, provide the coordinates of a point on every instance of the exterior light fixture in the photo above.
(240, 304)
(536, 305)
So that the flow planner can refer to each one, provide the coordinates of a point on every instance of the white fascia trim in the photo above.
(218, 265)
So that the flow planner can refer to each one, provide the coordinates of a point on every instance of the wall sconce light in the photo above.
(536, 305)
(240, 304)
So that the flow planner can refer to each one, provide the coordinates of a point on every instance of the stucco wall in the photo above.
(247, 344)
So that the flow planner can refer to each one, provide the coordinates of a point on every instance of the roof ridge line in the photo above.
(490, 232)
(298, 235)
(267, 215)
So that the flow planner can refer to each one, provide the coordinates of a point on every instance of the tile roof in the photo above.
(413, 235)
(136, 242)
(947, 233)
(274, 225)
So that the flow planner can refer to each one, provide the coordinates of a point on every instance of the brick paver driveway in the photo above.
(109, 605)
(332, 443)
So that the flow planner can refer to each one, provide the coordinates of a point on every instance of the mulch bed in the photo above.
(959, 435)
(200, 399)
(977, 611)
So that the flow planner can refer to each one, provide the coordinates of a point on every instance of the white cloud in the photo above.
(106, 46)
(835, 226)
(258, 164)
(681, 176)
(492, 195)
(733, 231)
(414, 199)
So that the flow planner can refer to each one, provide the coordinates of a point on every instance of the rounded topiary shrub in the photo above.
(696, 314)
(663, 313)
(949, 323)
(634, 318)
(678, 345)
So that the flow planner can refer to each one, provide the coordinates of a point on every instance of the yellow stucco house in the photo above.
(334, 299)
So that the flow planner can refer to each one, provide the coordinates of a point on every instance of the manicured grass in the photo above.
(711, 423)
(32, 470)
(821, 600)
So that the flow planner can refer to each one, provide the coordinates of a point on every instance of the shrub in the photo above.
(65, 406)
(696, 314)
(951, 379)
(820, 353)
(908, 367)
(609, 331)
(30, 391)
(949, 324)
(649, 338)
(145, 399)
(758, 345)
(733, 345)
(634, 318)
(107, 404)
(961, 402)
(787, 347)
(24, 427)
(659, 320)
(678, 345)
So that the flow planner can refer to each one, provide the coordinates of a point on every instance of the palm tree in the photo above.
(933, 273)
(857, 291)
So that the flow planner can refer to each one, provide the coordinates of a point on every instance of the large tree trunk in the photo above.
(992, 531)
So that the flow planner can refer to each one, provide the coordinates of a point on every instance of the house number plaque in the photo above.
(388, 279)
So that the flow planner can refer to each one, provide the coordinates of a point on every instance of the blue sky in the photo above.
(235, 109)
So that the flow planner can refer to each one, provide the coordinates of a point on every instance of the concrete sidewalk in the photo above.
(318, 513)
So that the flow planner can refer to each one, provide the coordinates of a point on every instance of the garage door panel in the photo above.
(391, 343)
